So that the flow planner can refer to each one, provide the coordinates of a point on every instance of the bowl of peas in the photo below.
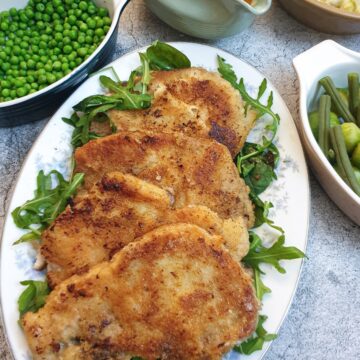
(329, 77)
(47, 48)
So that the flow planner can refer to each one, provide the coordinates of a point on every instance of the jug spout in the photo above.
(257, 7)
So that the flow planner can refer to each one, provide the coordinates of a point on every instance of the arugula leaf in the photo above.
(256, 342)
(33, 297)
(260, 254)
(51, 197)
(260, 288)
(163, 56)
(258, 171)
(93, 108)
(228, 74)
(262, 212)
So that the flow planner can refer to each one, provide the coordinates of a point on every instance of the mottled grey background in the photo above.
(323, 322)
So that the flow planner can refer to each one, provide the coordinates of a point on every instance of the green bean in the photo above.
(346, 170)
(353, 83)
(324, 123)
(358, 116)
(338, 102)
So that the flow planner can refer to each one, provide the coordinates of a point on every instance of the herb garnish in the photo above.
(130, 95)
(51, 197)
(256, 164)
(256, 342)
(258, 254)
(33, 297)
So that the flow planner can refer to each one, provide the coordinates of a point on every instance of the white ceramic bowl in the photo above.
(326, 58)
(42, 103)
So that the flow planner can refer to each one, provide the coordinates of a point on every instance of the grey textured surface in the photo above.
(323, 322)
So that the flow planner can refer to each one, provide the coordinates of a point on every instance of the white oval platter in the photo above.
(52, 150)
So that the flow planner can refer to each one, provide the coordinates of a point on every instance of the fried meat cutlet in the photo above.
(176, 293)
(116, 211)
(193, 101)
(194, 171)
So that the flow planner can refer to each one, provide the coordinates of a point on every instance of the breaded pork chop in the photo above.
(194, 101)
(194, 171)
(116, 211)
(176, 293)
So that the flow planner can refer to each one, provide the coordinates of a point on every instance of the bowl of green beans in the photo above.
(47, 48)
(329, 77)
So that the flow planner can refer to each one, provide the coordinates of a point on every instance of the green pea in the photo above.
(4, 25)
(24, 18)
(41, 25)
(14, 60)
(82, 51)
(73, 34)
(99, 32)
(72, 19)
(83, 5)
(65, 67)
(51, 78)
(72, 56)
(5, 92)
(83, 26)
(49, 9)
(91, 23)
(91, 9)
(67, 49)
(42, 79)
(100, 23)
(60, 10)
(59, 75)
(107, 21)
(46, 18)
(40, 7)
(29, 13)
(67, 40)
(24, 45)
(13, 12)
(31, 64)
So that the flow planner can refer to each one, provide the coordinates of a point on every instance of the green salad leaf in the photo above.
(228, 74)
(93, 109)
(51, 197)
(163, 56)
(130, 95)
(258, 171)
(256, 342)
(260, 254)
(33, 297)
(260, 288)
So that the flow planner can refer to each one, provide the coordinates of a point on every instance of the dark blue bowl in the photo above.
(43, 103)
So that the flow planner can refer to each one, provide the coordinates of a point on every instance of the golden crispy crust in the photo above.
(114, 213)
(194, 101)
(194, 171)
(176, 293)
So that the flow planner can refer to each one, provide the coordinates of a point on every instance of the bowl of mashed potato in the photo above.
(329, 16)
